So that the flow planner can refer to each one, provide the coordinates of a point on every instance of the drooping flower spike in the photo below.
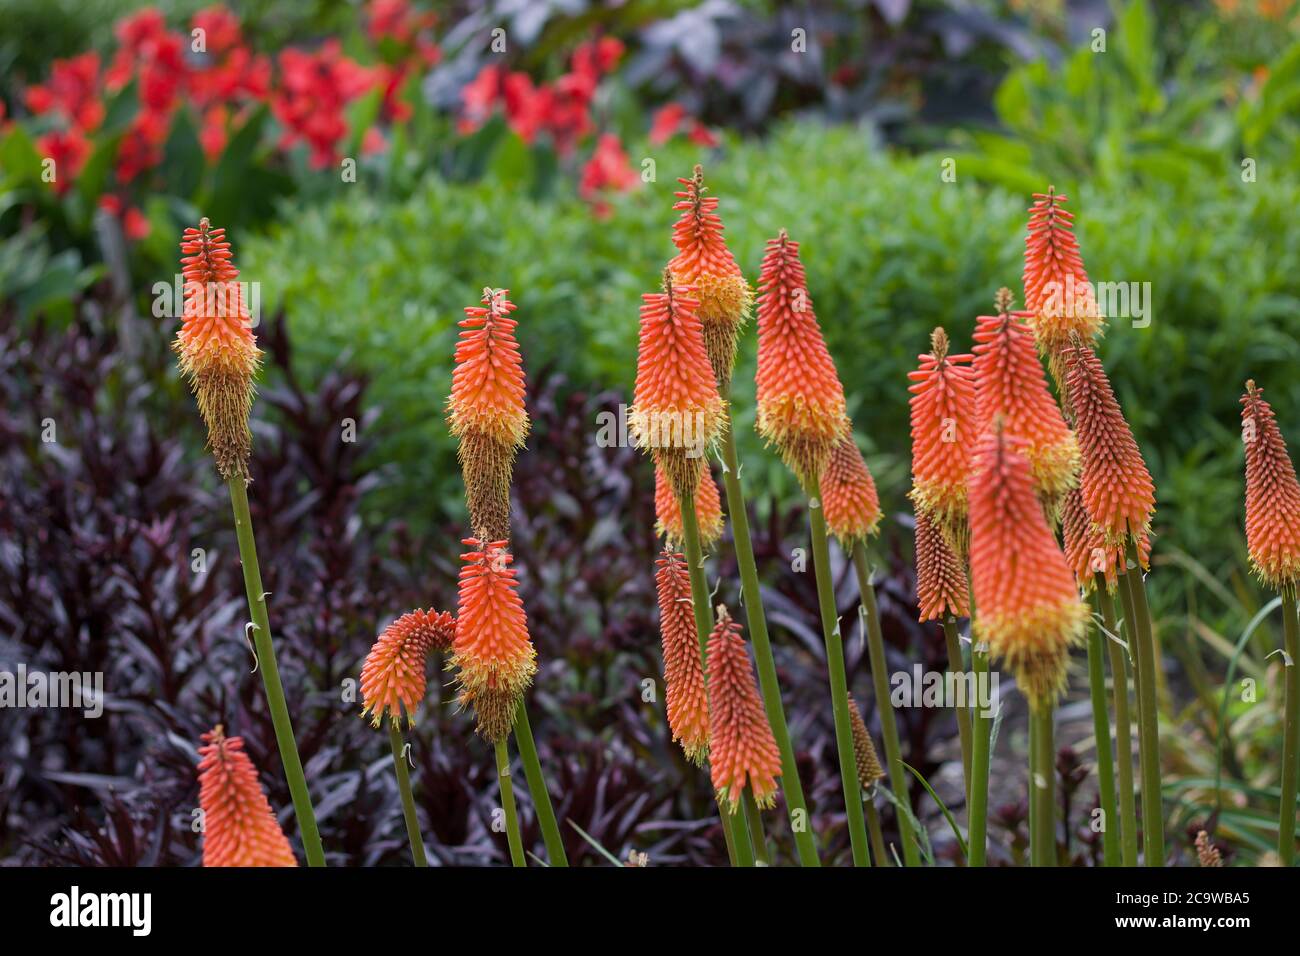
(1272, 496)
(1058, 295)
(676, 413)
(392, 677)
(239, 828)
(492, 653)
(486, 411)
(801, 408)
(941, 585)
(944, 434)
(742, 750)
(1009, 384)
(849, 499)
(1026, 601)
(1116, 487)
(704, 262)
(870, 772)
(215, 347)
(708, 509)
(687, 698)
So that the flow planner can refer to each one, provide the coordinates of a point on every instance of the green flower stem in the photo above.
(757, 835)
(977, 812)
(537, 788)
(1291, 732)
(302, 807)
(404, 788)
(839, 685)
(739, 850)
(513, 836)
(1123, 730)
(877, 836)
(1153, 838)
(791, 786)
(1042, 787)
(898, 780)
(957, 666)
(1101, 732)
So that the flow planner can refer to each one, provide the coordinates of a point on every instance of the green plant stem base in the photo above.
(513, 837)
(408, 799)
(537, 788)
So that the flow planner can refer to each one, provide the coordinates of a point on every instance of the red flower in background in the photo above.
(314, 89)
(72, 91)
(69, 149)
(607, 171)
(671, 119)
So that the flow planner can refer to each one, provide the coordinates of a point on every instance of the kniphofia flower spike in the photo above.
(1272, 496)
(688, 705)
(708, 509)
(239, 828)
(392, 678)
(852, 506)
(943, 437)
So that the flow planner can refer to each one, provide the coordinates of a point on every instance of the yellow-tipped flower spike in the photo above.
(943, 437)
(215, 347)
(392, 678)
(688, 701)
(849, 499)
(1272, 496)
(708, 510)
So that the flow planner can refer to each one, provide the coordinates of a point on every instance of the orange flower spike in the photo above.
(704, 262)
(215, 347)
(742, 749)
(486, 411)
(801, 408)
(688, 702)
(392, 678)
(943, 436)
(1027, 603)
(1272, 496)
(870, 772)
(941, 585)
(1009, 383)
(849, 499)
(676, 410)
(1085, 546)
(1058, 295)
(708, 510)
(492, 652)
(239, 828)
(1117, 489)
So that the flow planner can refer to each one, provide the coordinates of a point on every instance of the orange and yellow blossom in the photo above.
(943, 436)
(392, 677)
(687, 697)
(708, 509)
(239, 828)
(1272, 496)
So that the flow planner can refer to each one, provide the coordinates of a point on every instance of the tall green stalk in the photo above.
(757, 835)
(1042, 787)
(796, 806)
(408, 800)
(537, 788)
(1153, 838)
(981, 727)
(302, 807)
(1291, 731)
(739, 849)
(1101, 733)
(898, 778)
(878, 852)
(1123, 731)
(513, 836)
(957, 666)
(839, 685)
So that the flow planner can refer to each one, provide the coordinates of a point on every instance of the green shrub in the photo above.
(891, 251)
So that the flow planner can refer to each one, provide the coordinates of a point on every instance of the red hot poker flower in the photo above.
(688, 703)
(943, 436)
(941, 586)
(392, 678)
(708, 509)
(1272, 496)
(742, 749)
(801, 408)
(239, 828)
(849, 499)
(492, 652)
(1028, 607)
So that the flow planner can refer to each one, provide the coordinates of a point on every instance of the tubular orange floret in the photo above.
(1027, 604)
(688, 702)
(801, 407)
(1058, 295)
(676, 410)
(941, 585)
(239, 828)
(1009, 383)
(708, 509)
(742, 749)
(943, 436)
(492, 652)
(704, 262)
(1086, 551)
(870, 772)
(486, 411)
(849, 499)
(1272, 496)
(392, 678)
(1117, 489)
(215, 347)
